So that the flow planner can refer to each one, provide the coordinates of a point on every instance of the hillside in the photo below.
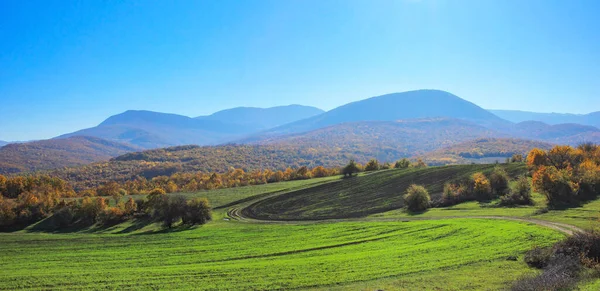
(148, 129)
(385, 140)
(485, 150)
(363, 195)
(58, 153)
(517, 116)
(397, 106)
(3, 143)
(263, 118)
(568, 133)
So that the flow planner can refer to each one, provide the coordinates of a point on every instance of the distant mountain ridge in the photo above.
(3, 143)
(263, 118)
(517, 116)
(398, 106)
(148, 129)
(58, 153)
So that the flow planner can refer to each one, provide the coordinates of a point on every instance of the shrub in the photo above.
(386, 166)
(420, 164)
(372, 165)
(198, 211)
(402, 164)
(417, 198)
(64, 217)
(516, 158)
(173, 210)
(112, 216)
(556, 185)
(481, 187)
(350, 169)
(499, 181)
(519, 195)
(538, 257)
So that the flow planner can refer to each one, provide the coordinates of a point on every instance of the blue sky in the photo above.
(67, 65)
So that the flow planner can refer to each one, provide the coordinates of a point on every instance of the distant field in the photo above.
(360, 196)
(238, 256)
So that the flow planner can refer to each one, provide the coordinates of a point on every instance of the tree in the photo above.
(372, 165)
(556, 185)
(420, 164)
(481, 187)
(350, 169)
(173, 210)
(156, 203)
(109, 189)
(319, 172)
(536, 158)
(416, 198)
(516, 158)
(198, 211)
(130, 206)
(520, 194)
(499, 181)
(402, 164)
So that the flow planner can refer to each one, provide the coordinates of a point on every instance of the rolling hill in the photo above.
(263, 118)
(363, 195)
(517, 116)
(3, 143)
(397, 106)
(484, 150)
(58, 153)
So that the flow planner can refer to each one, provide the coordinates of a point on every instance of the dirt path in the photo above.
(236, 214)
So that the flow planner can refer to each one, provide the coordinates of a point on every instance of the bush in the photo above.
(198, 211)
(386, 166)
(499, 181)
(372, 165)
(350, 169)
(402, 164)
(519, 195)
(481, 187)
(417, 198)
(538, 257)
(556, 185)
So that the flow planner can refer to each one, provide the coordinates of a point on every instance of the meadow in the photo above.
(241, 256)
(377, 249)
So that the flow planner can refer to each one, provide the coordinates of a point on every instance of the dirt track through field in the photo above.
(236, 214)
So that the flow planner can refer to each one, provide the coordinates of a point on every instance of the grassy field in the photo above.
(360, 196)
(238, 256)
(363, 254)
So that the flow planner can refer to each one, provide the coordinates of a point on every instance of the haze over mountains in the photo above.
(517, 116)
(385, 127)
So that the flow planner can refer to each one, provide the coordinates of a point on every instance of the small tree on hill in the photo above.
(481, 187)
(402, 164)
(499, 181)
(372, 165)
(198, 211)
(350, 169)
(516, 158)
(417, 198)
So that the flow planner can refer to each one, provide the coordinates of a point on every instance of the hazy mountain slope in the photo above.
(517, 116)
(484, 150)
(397, 106)
(264, 118)
(153, 129)
(57, 153)
(385, 140)
(2, 143)
(569, 133)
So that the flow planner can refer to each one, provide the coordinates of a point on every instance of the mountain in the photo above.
(57, 153)
(568, 133)
(3, 143)
(149, 129)
(397, 106)
(332, 146)
(517, 116)
(484, 150)
(263, 118)
(384, 140)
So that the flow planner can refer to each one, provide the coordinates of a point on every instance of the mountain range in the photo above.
(3, 143)
(517, 116)
(386, 127)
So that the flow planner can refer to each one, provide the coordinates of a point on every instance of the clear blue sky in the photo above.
(67, 65)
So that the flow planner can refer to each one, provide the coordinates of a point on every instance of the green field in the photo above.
(363, 195)
(240, 256)
(381, 247)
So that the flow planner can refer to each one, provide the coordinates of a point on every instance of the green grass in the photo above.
(465, 254)
(364, 195)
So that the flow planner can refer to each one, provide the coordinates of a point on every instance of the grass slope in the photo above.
(240, 256)
(363, 195)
